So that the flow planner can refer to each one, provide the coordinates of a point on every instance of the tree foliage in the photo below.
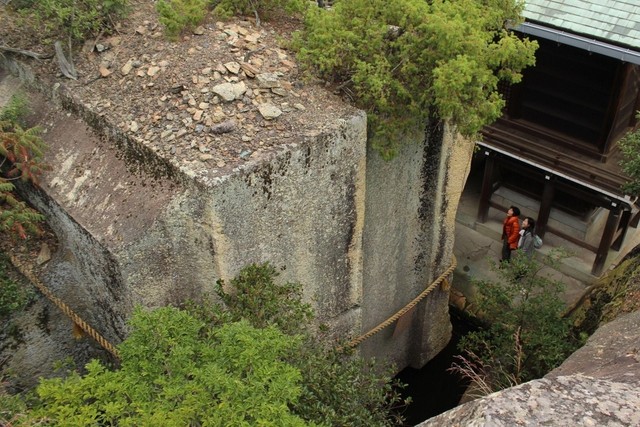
(527, 335)
(178, 15)
(21, 157)
(403, 60)
(14, 296)
(76, 19)
(259, 8)
(176, 371)
(630, 163)
(217, 365)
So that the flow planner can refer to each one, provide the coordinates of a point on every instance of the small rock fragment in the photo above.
(224, 127)
(267, 80)
(269, 111)
(44, 255)
(126, 68)
(233, 67)
(104, 71)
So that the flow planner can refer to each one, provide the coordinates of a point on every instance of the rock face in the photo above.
(155, 199)
(598, 385)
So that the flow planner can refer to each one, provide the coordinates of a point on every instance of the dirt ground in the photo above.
(163, 94)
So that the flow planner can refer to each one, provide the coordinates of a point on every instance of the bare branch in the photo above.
(66, 67)
(25, 52)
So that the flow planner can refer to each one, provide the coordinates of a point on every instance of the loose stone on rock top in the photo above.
(126, 68)
(267, 80)
(104, 71)
(230, 91)
(233, 67)
(269, 111)
(224, 127)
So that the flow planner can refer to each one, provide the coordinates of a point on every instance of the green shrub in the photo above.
(226, 366)
(16, 110)
(527, 335)
(177, 372)
(260, 8)
(13, 295)
(338, 388)
(77, 19)
(630, 148)
(406, 60)
(179, 15)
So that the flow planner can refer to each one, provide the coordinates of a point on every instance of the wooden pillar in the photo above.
(635, 219)
(487, 186)
(607, 237)
(622, 229)
(545, 204)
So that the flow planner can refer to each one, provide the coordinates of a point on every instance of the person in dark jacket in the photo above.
(525, 244)
(510, 233)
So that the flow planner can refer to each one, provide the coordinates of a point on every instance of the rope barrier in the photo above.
(441, 279)
(114, 351)
(77, 320)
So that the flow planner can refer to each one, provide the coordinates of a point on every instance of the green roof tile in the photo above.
(617, 22)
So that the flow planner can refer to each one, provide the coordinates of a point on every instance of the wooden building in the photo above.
(556, 142)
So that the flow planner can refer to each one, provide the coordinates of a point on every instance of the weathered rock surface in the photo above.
(574, 400)
(598, 385)
(155, 195)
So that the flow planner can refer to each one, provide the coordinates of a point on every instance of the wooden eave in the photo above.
(522, 140)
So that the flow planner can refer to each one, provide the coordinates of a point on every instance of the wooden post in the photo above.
(607, 237)
(487, 185)
(545, 204)
(624, 225)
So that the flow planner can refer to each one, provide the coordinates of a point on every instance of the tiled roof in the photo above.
(616, 21)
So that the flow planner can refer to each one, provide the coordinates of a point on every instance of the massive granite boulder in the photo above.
(598, 385)
(177, 165)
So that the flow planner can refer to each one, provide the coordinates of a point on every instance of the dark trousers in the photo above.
(506, 251)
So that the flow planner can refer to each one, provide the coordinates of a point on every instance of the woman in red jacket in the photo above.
(510, 233)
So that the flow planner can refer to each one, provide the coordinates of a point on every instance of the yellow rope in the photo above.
(111, 349)
(65, 309)
(441, 279)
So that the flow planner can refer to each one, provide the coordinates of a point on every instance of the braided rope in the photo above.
(65, 308)
(441, 279)
(111, 349)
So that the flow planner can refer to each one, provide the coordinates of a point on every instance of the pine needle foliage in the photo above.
(261, 9)
(223, 365)
(75, 19)
(405, 60)
(179, 15)
(21, 157)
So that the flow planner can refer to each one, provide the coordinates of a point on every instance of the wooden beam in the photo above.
(545, 204)
(607, 238)
(635, 219)
(622, 230)
(569, 238)
(487, 186)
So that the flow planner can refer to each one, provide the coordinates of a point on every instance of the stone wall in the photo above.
(408, 242)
